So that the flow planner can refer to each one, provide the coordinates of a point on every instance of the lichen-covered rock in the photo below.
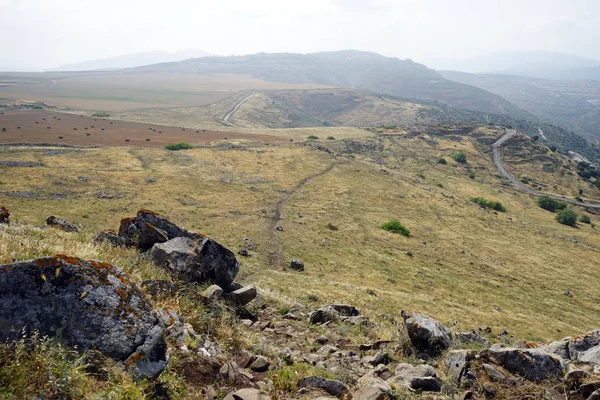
(581, 344)
(201, 261)
(426, 334)
(456, 363)
(87, 304)
(331, 386)
(532, 364)
(61, 224)
(4, 215)
(109, 236)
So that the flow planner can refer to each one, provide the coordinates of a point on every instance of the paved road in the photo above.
(235, 108)
(500, 167)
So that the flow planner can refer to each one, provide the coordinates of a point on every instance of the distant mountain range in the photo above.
(533, 64)
(132, 60)
(352, 69)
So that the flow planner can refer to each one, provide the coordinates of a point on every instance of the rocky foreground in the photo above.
(297, 351)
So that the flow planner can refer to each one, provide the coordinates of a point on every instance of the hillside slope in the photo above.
(352, 69)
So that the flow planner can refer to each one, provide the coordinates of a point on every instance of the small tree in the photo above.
(550, 204)
(567, 217)
(460, 157)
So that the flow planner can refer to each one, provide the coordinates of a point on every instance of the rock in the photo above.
(591, 356)
(247, 394)
(581, 344)
(4, 215)
(149, 235)
(426, 334)
(559, 347)
(248, 244)
(233, 287)
(279, 228)
(323, 315)
(322, 339)
(196, 261)
(327, 350)
(297, 265)
(233, 374)
(345, 310)
(160, 288)
(456, 363)
(61, 224)
(242, 296)
(331, 386)
(260, 364)
(494, 374)
(213, 292)
(373, 389)
(109, 236)
(532, 364)
(595, 395)
(422, 377)
(575, 378)
(243, 252)
(88, 304)
(587, 389)
(471, 338)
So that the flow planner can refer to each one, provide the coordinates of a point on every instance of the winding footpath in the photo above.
(236, 108)
(500, 167)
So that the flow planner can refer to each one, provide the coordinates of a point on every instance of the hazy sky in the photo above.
(48, 33)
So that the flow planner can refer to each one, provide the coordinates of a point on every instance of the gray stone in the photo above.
(456, 363)
(426, 334)
(331, 386)
(247, 394)
(323, 315)
(591, 356)
(322, 339)
(421, 377)
(581, 344)
(196, 261)
(160, 288)
(88, 304)
(233, 374)
(243, 252)
(213, 292)
(471, 338)
(494, 374)
(61, 224)
(345, 310)
(242, 296)
(260, 364)
(297, 265)
(532, 364)
(559, 347)
(327, 350)
(108, 236)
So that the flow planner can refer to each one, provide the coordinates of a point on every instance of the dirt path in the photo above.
(500, 167)
(542, 133)
(236, 107)
(275, 256)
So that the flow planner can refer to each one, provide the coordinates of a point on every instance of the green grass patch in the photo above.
(397, 227)
(179, 146)
(101, 114)
(483, 203)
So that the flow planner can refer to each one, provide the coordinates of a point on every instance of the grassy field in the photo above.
(468, 266)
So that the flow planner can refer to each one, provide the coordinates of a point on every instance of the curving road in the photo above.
(498, 163)
(235, 108)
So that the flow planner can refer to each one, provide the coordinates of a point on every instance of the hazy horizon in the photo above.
(44, 35)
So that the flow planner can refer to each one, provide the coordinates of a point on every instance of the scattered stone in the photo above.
(109, 236)
(345, 310)
(4, 215)
(494, 374)
(160, 288)
(243, 252)
(532, 364)
(248, 244)
(456, 363)
(471, 338)
(582, 344)
(279, 228)
(297, 265)
(568, 293)
(233, 374)
(247, 394)
(93, 305)
(422, 377)
(331, 386)
(322, 339)
(213, 292)
(327, 350)
(260, 364)
(242, 296)
(196, 261)
(61, 224)
(426, 334)
(323, 315)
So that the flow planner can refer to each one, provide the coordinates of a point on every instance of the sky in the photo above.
(41, 34)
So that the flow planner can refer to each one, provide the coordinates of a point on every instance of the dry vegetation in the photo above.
(467, 264)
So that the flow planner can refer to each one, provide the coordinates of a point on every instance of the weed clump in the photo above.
(100, 114)
(483, 203)
(179, 146)
(442, 161)
(396, 226)
(312, 137)
(460, 157)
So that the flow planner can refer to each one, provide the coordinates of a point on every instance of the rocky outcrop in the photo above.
(61, 224)
(421, 378)
(331, 313)
(110, 236)
(87, 304)
(201, 260)
(532, 364)
(4, 215)
(427, 335)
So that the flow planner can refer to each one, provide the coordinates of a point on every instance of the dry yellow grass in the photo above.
(470, 265)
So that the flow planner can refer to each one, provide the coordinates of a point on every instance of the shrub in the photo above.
(460, 157)
(442, 161)
(100, 114)
(550, 204)
(483, 203)
(567, 217)
(312, 137)
(179, 146)
(330, 138)
(396, 226)
(585, 219)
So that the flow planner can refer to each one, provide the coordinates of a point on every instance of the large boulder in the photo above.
(4, 215)
(581, 344)
(61, 224)
(421, 377)
(87, 304)
(196, 260)
(332, 312)
(532, 364)
(427, 335)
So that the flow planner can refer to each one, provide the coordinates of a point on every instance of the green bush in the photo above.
(312, 137)
(442, 161)
(100, 114)
(585, 219)
(396, 226)
(483, 203)
(179, 146)
(567, 217)
(330, 138)
(550, 204)
(460, 157)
